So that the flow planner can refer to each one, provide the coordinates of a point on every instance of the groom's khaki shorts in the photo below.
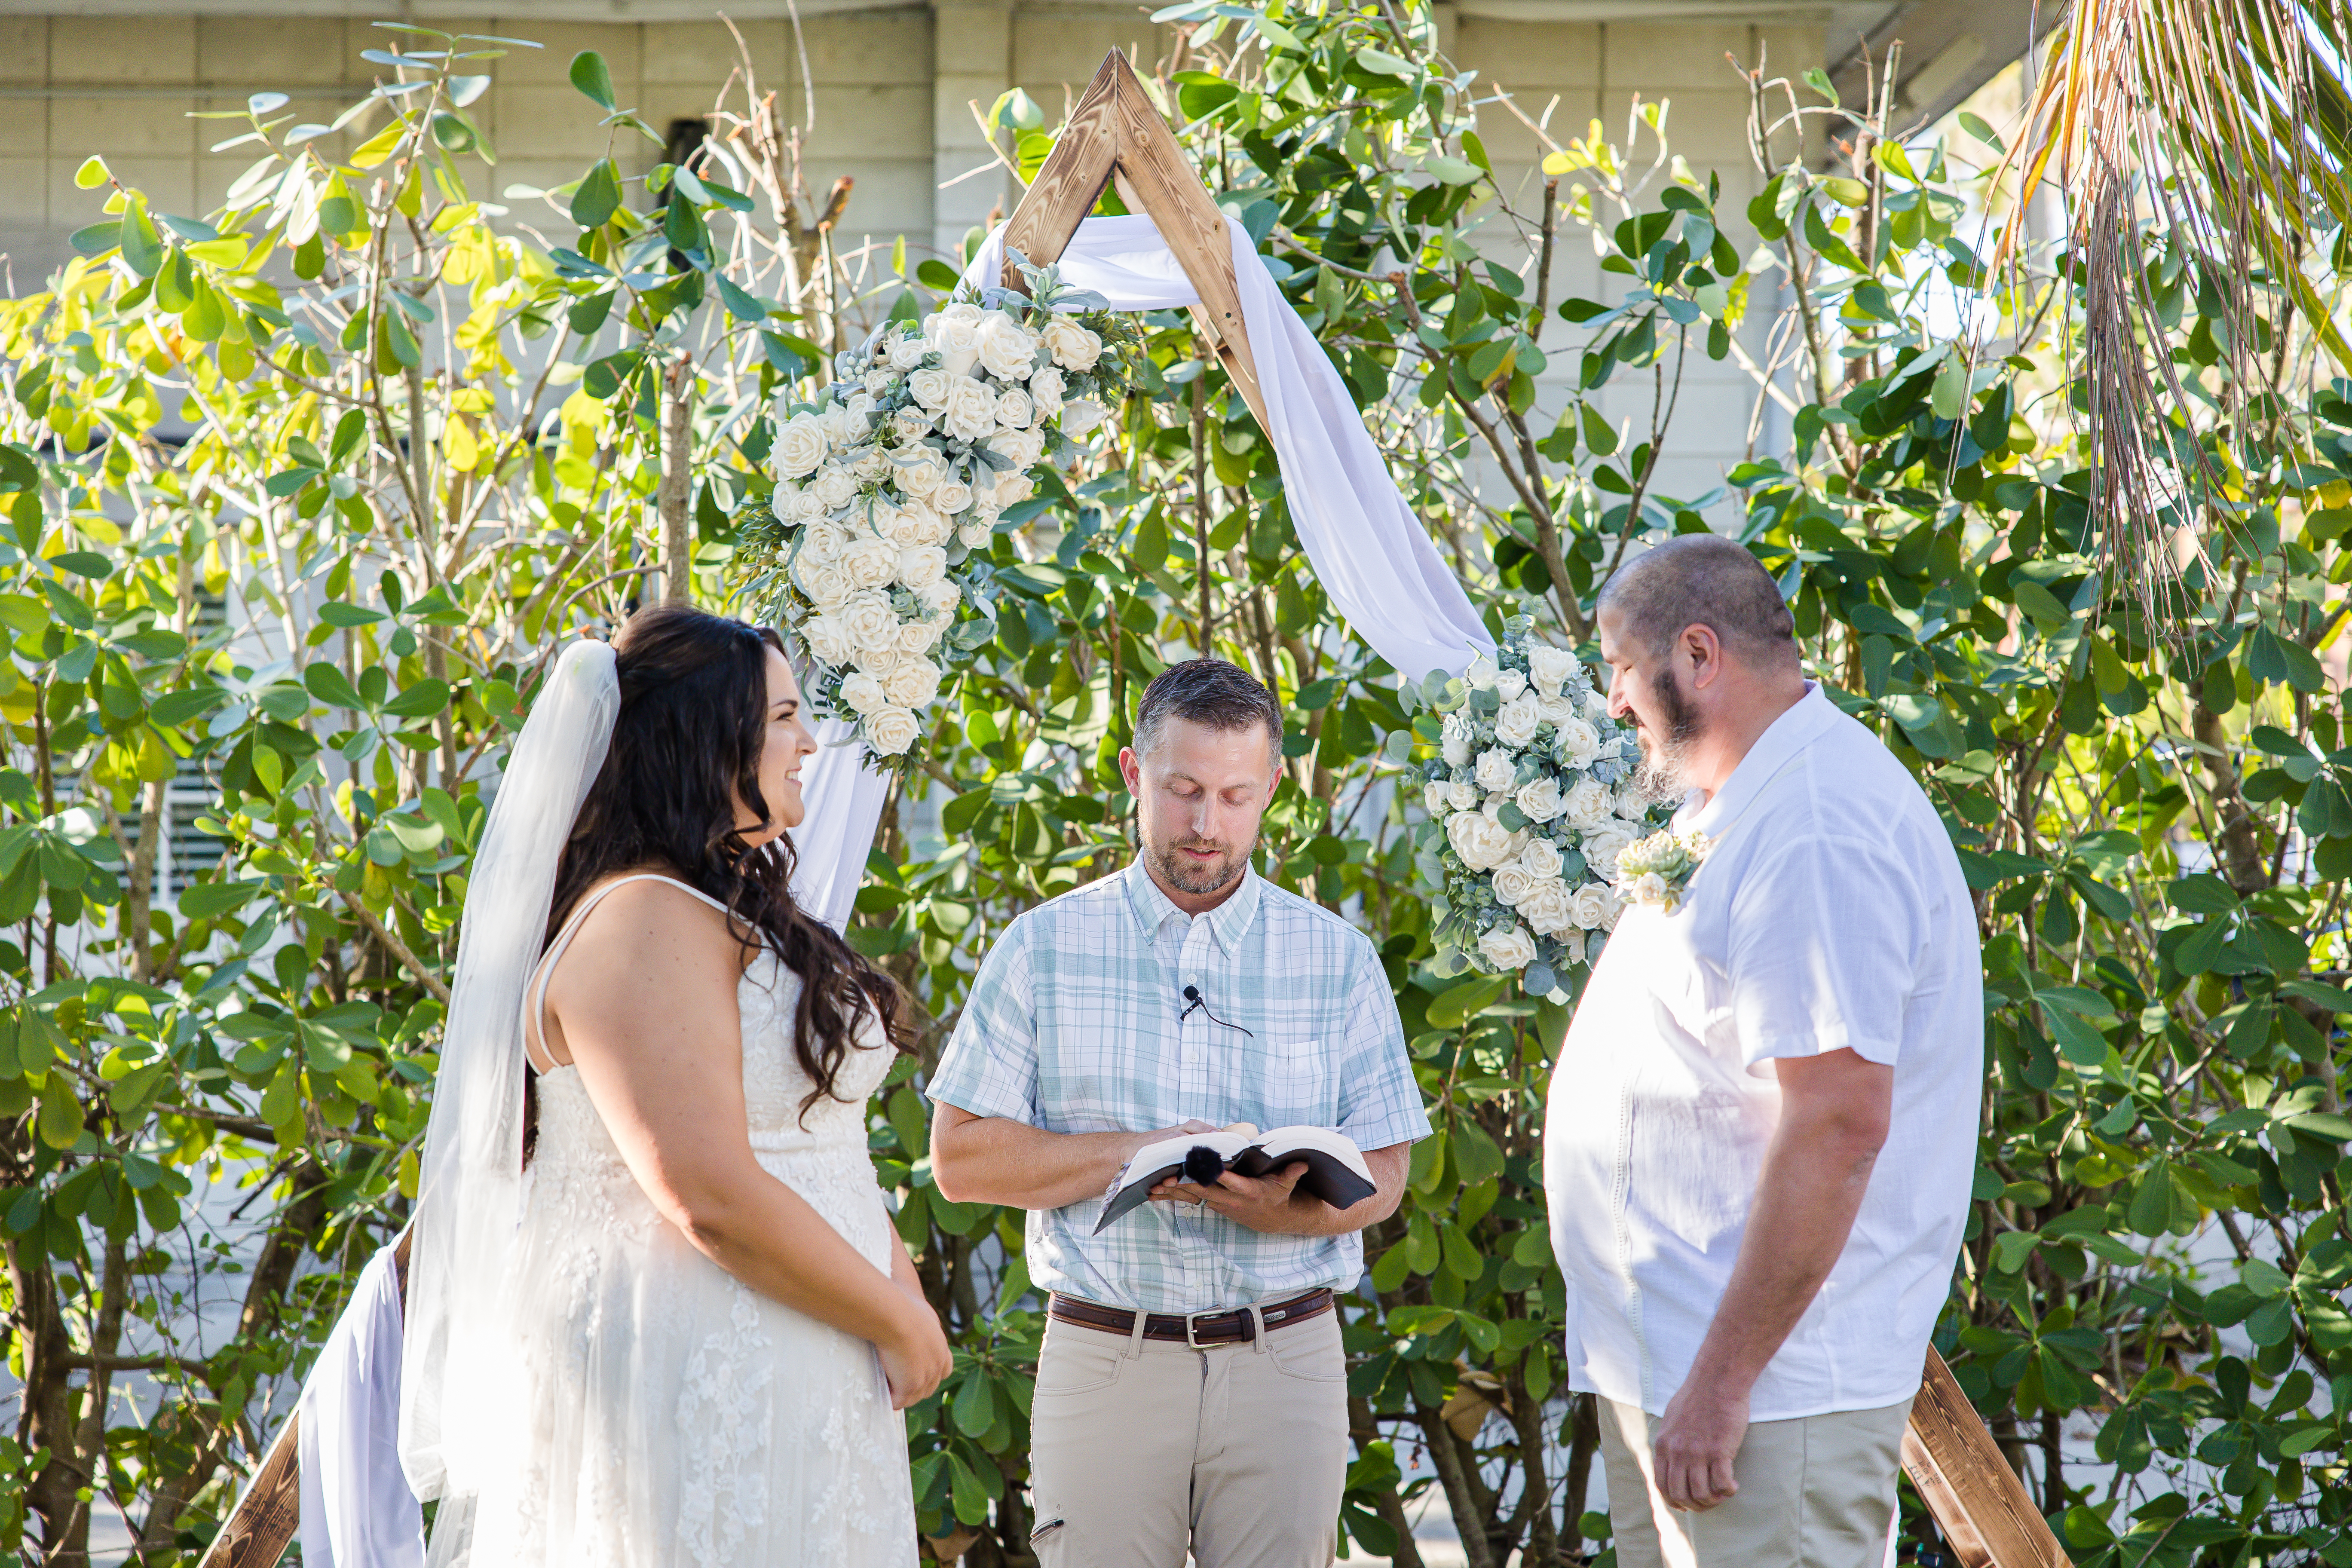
(1817, 1492)
(1141, 1447)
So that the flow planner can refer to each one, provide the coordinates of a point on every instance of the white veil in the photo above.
(470, 1188)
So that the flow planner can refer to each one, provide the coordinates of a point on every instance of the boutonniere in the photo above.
(1656, 870)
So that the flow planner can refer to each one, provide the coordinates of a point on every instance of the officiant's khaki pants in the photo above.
(1818, 1492)
(1141, 1448)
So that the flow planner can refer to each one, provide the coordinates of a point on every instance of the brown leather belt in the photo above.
(1201, 1328)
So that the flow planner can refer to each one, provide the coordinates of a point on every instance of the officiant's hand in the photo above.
(1698, 1438)
(1262, 1202)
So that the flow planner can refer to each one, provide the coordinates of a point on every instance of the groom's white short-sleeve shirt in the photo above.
(1829, 914)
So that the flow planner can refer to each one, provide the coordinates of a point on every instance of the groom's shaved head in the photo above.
(1701, 579)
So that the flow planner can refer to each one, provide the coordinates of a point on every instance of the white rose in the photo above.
(802, 506)
(922, 565)
(1588, 905)
(846, 423)
(1579, 741)
(826, 583)
(1596, 706)
(921, 470)
(1587, 807)
(917, 637)
(1019, 448)
(1548, 908)
(827, 638)
(861, 693)
(958, 310)
(1046, 392)
(1465, 796)
(890, 731)
(1008, 351)
(956, 340)
(914, 683)
(1434, 798)
(1649, 888)
(869, 463)
(1453, 741)
(951, 497)
(1481, 841)
(1070, 345)
(975, 534)
(880, 380)
(970, 412)
(1602, 848)
(1080, 416)
(1010, 487)
(823, 540)
(931, 387)
(909, 426)
(1540, 798)
(869, 621)
(1540, 859)
(1515, 726)
(878, 662)
(1631, 803)
(801, 445)
(1512, 883)
(833, 488)
(1508, 947)
(1482, 673)
(1550, 667)
(1510, 683)
(869, 562)
(940, 597)
(910, 524)
(908, 352)
(1015, 410)
(1614, 912)
(1496, 769)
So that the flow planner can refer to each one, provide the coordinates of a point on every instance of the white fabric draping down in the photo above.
(357, 1511)
(1370, 552)
(841, 804)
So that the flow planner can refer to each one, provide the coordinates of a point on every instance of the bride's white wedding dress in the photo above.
(663, 1413)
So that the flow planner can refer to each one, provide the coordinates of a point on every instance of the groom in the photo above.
(1751, 1282)
(1192, 1389)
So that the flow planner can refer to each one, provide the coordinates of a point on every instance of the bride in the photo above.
(671, 1323)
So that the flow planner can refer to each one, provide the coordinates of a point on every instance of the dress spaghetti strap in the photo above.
(534, 1026)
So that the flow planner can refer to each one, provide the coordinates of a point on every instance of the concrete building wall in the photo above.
(894, 90)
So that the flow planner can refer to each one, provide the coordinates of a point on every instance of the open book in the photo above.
(1335, 1171)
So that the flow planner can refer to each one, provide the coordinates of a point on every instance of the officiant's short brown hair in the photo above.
(1701, 580)
(1211, 692)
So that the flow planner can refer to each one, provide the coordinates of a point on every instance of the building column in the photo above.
(971, 63)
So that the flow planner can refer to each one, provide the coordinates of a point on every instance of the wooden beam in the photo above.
(1987, 1518)
(1116, 133)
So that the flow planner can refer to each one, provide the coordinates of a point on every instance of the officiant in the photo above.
(1192, 1391)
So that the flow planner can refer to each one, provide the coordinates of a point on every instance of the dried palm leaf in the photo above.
(2216, 132)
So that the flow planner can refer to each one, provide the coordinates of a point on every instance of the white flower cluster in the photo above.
(1530, 801)
(888, 489)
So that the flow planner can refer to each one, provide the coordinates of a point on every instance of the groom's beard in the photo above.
(1664, 772)
(1187, 878)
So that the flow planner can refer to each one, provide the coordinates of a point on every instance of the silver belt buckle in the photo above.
(1191, 1330)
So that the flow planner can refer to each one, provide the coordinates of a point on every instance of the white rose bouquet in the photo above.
(1531, 808)
(879, 544)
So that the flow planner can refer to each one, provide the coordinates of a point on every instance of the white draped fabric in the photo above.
(357, 1511)
(1370, 552)
(842, 800)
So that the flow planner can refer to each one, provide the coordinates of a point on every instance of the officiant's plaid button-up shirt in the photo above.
(1076, 1023)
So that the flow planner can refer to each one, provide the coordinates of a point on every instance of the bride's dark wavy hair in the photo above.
(686, 747)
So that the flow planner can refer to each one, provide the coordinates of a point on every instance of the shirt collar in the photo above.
(1806, 721)
(1228, 922)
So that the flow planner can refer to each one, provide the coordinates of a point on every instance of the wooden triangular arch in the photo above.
(1116, 134)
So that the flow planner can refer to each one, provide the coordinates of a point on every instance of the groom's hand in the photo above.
(1260, 1202)
(1698, 1438)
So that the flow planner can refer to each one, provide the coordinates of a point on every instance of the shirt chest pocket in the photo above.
(1296, 1079)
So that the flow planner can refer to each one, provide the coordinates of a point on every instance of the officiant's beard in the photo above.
(1663, 774)
(1173, 871)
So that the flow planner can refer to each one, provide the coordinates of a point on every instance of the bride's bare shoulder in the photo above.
(645, 920)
